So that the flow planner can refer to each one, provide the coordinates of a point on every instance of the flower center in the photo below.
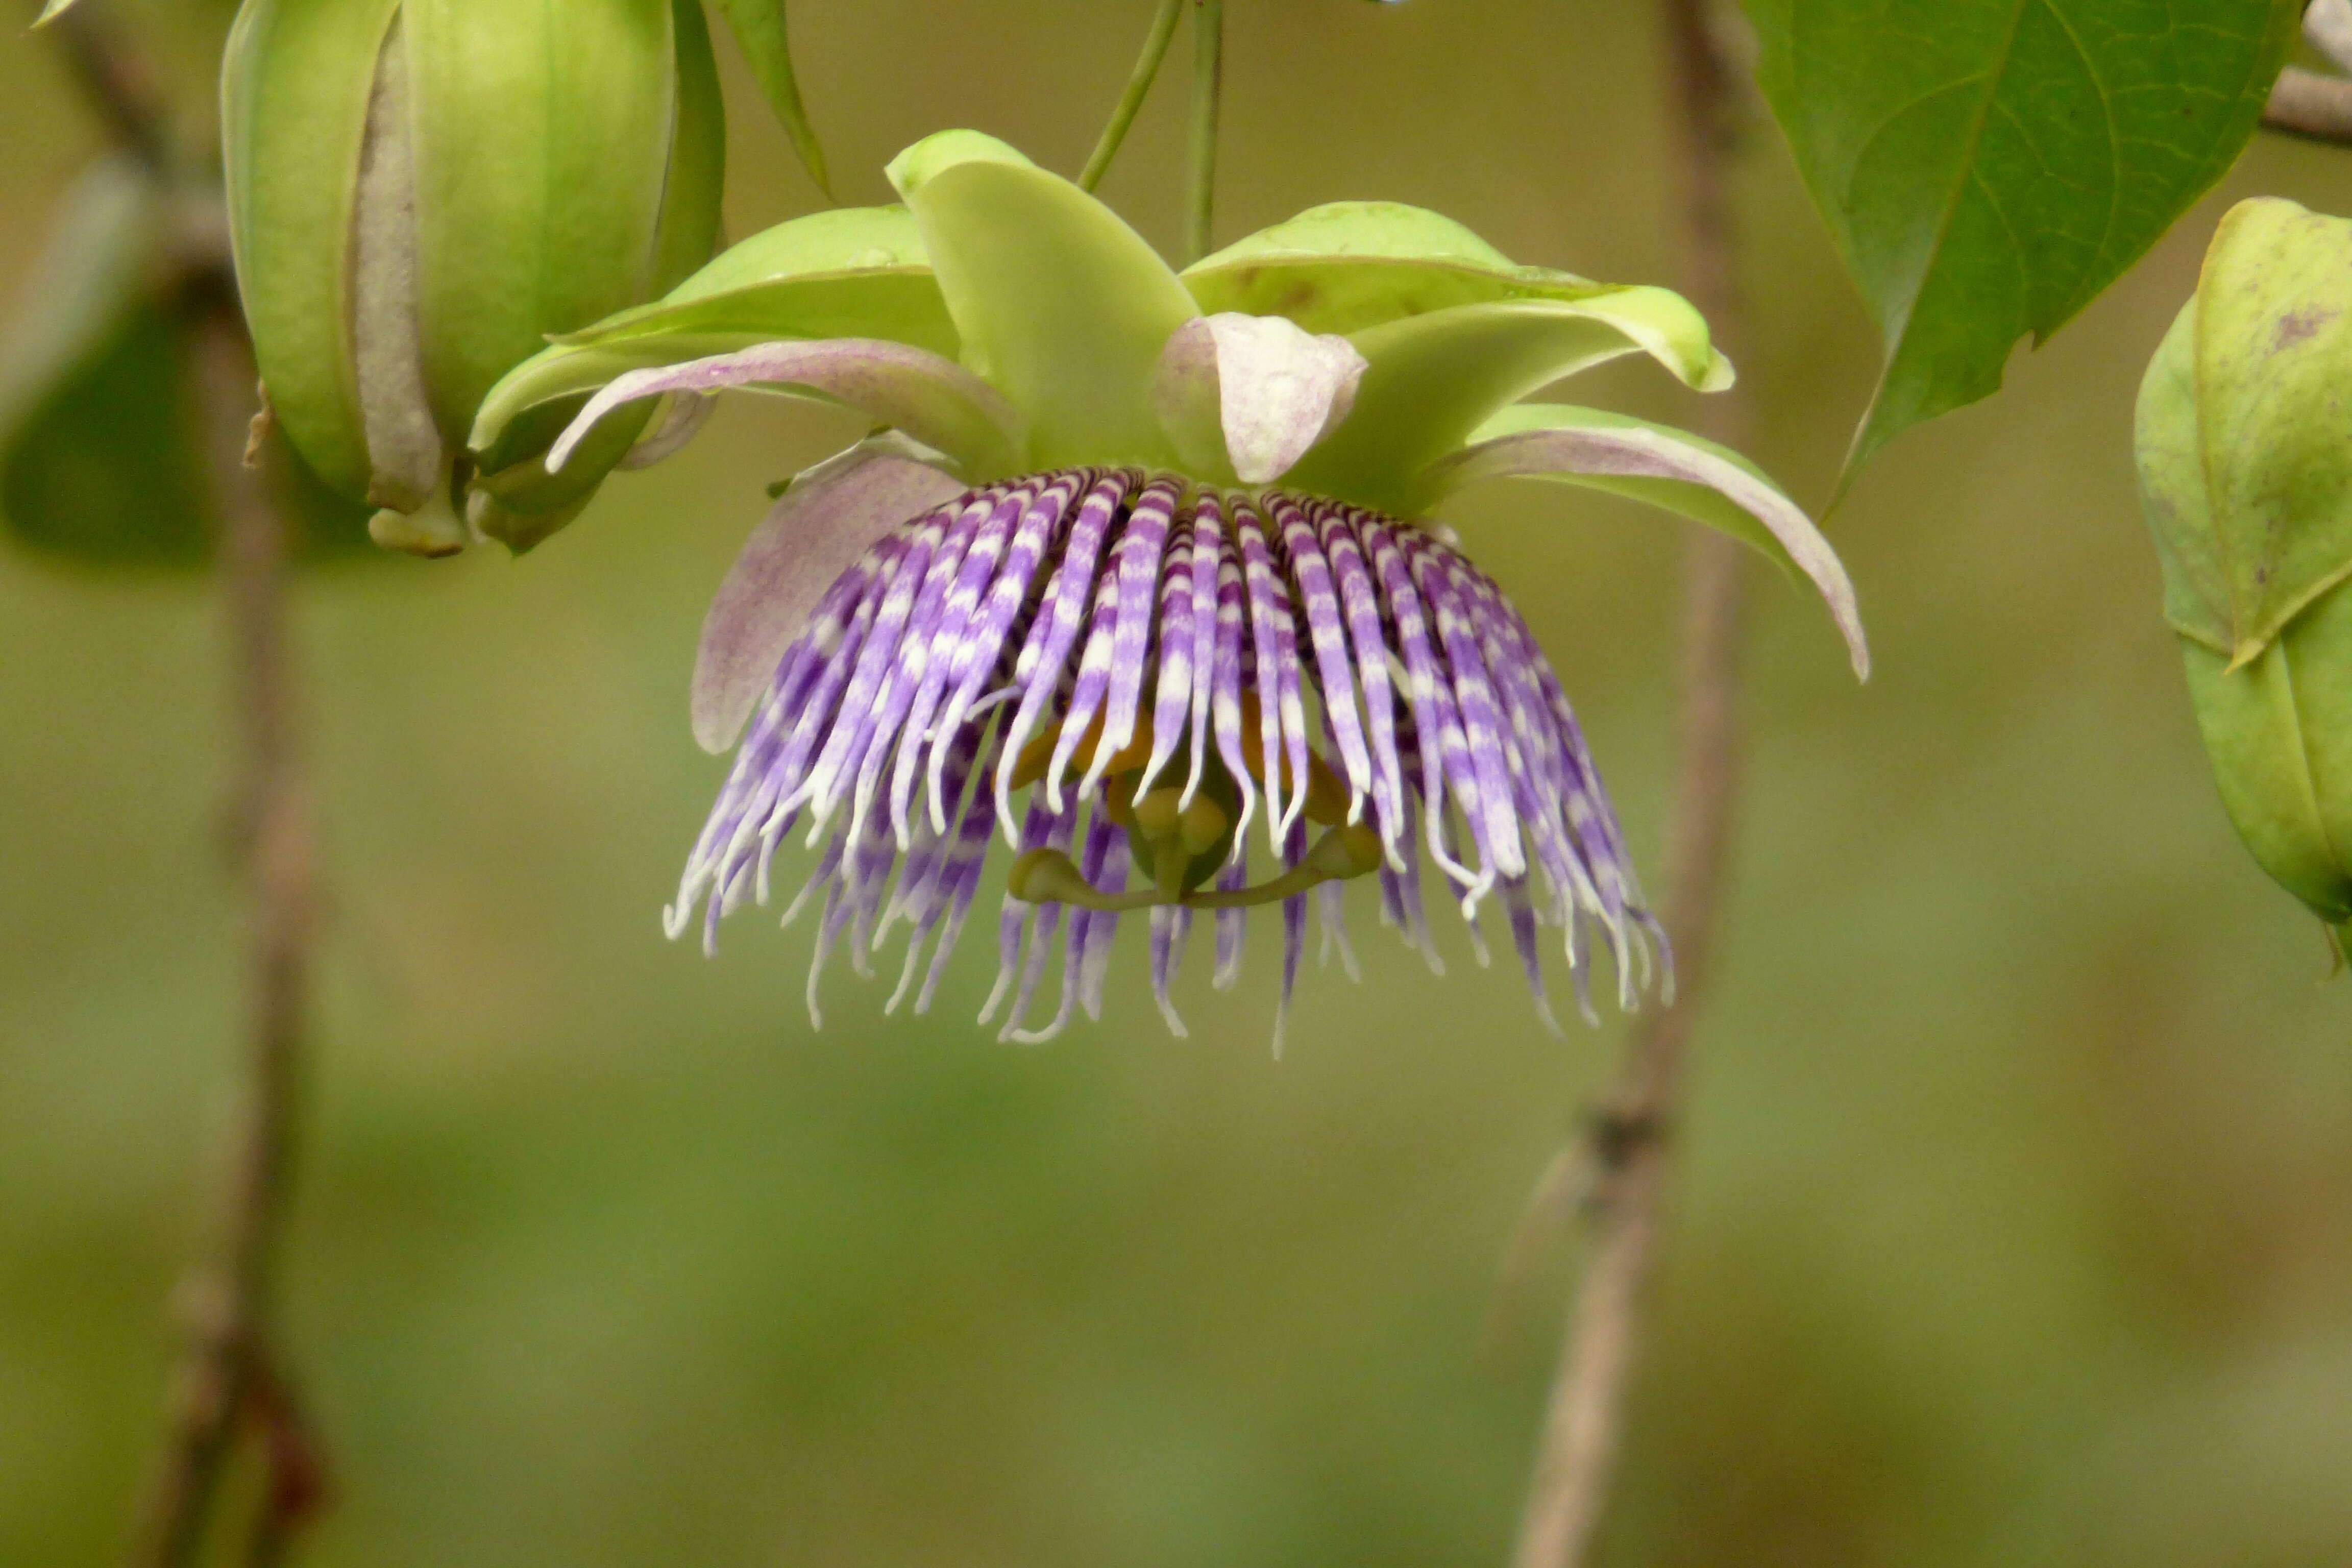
(1179, 837)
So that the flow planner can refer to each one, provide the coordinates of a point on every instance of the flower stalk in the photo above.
(1208, 94)
(1139, 88)
(227, 1379)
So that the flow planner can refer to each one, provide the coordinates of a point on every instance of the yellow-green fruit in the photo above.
(2246, 463)
(420, 191)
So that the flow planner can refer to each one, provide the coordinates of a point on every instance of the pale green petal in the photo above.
(1351, 265)
(817, 530)
(501, 436)
(1666, 468)
(1060, 304)
(934, 400)
(1433, 379)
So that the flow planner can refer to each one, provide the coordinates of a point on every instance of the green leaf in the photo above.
(2245, 472)
(758, 29)
(1433, 379)
(100, 459)
(1666, 468)
(1986, 169)
(52, 10)
(1347, 266)
(1061, 306)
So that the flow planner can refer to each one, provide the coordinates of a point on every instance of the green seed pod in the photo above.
(2246, 474)
(420, 191)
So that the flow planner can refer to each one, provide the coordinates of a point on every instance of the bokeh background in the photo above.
(2015, 1219)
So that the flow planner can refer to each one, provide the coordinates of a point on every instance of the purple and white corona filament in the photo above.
(1211, 699)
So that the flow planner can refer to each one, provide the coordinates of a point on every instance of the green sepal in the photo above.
(521, 532)
(2245, 472)
(760, 31)
(542, 151)
(1709, 483)
(851, 272)
(1433, 379)
(1346, 265)
(1699, 503)
(2277, 731)
(295, 78)
(515, 474)
(1059, 303)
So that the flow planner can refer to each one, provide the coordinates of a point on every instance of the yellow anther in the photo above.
(1037, 755)
(1119, 798)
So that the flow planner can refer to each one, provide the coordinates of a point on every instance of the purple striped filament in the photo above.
(1149, 688)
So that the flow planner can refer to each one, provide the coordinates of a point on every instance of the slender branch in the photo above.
(225, 1375)
(1138, 87)
(225, 1365)
(1208, 88)
(2314, 107)
(1628, 1145)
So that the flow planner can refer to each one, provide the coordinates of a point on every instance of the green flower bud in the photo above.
(2246, 475)
(421, 191)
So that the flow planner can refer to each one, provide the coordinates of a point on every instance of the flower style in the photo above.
(1155, 551)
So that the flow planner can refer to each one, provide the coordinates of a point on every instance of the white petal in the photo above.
(1610, 454)
(1253, 393)
(935, 400)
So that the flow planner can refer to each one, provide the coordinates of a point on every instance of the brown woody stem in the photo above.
(1628, 1145)
(227, 1378)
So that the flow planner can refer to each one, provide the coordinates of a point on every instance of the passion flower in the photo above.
(1155, 551)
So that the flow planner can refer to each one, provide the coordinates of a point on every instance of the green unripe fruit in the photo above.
(420, 191)
(2246, 463)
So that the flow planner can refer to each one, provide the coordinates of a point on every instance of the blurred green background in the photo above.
(2015, 1220)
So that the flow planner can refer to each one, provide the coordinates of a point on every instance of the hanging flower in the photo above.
(1155, 552)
